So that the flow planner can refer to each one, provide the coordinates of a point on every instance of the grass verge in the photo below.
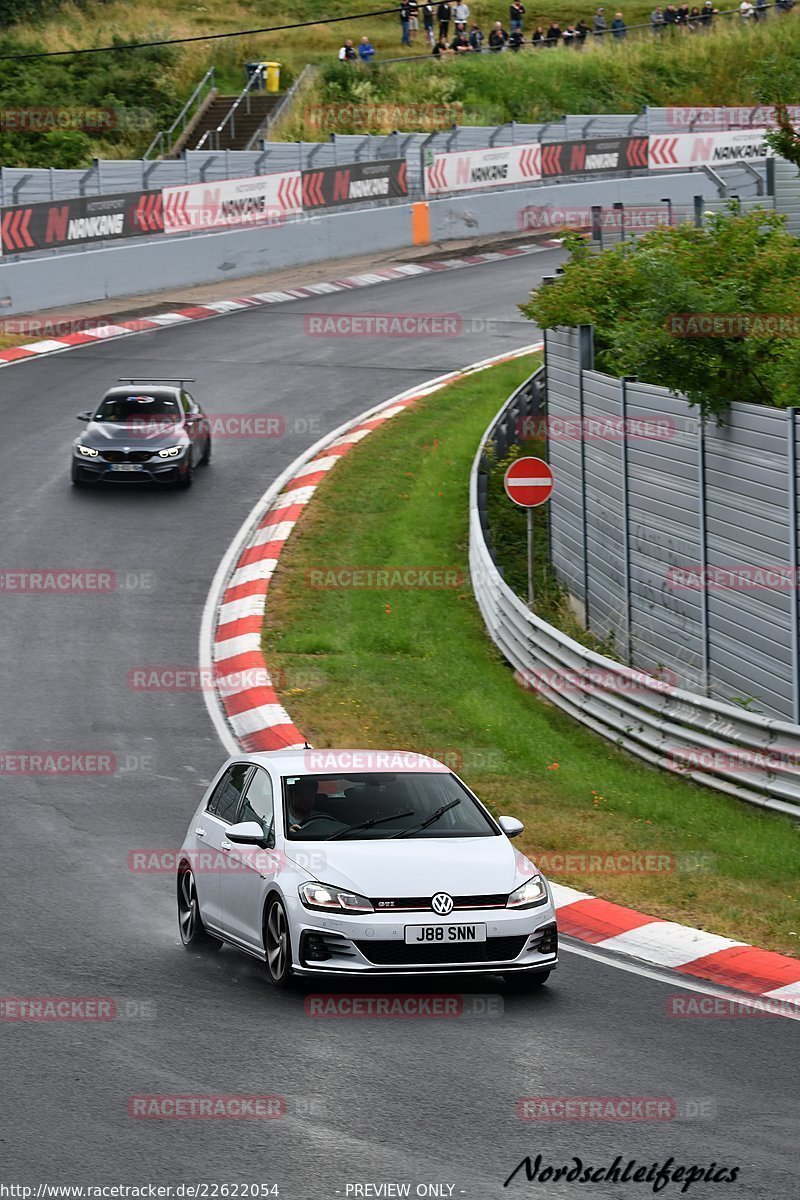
(415, 669)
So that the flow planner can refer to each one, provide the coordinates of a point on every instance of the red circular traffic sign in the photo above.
(528, 482)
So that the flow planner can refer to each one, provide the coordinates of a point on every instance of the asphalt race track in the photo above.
(367, 1101)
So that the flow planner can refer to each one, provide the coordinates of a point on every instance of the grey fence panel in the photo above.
(637, 525)
(659, 723)
(605, 510)
(786, 182)
(566, 460)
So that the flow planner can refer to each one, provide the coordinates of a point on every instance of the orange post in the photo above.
(420, 224)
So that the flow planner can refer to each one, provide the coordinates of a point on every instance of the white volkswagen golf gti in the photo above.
(291, 857)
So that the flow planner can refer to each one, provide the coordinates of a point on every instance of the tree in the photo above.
(651, 303)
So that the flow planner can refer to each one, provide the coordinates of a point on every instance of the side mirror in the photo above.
(510, 826)
(84, 416)
(246, 833)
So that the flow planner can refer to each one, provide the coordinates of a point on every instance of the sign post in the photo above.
(528, 483)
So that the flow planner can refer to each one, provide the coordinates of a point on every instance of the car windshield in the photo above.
(138, 408)
(367, 806)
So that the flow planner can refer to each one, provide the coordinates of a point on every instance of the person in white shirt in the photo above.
(746, 10)
(461, 16)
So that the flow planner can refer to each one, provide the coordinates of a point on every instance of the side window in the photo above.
(186, 403)
(225, 799)
(258, 803)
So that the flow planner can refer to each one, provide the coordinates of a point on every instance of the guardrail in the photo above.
(639, 713)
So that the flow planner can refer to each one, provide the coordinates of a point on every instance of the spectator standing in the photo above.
(600, 24)
(695, 20)
(619, 29)
(348, 51)
(366, 50)
(682, 19)
(568, 36)
(461, 16)
(746, 10)
(537, 37)
(516, 40)
(671, 17)
(582, 30)
(405, 39)
(657, 21)
(497, 38)
(413, 19)
(516, 12)
(443, 13)
(761, 10)
(707, 14)
(554, 35)
(427, 21)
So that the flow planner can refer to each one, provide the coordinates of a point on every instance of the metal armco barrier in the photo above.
(637, 712)
(84, 219)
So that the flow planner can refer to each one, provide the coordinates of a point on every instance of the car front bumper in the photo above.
(374, 945)
(96, 470)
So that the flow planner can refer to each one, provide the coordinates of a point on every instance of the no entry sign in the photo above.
(528, 482)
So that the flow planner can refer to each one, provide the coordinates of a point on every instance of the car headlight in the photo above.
(170, 452)
(323, 897)
(87, 451)
(528, 894)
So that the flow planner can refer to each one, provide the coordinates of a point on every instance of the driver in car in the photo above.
(302, 803)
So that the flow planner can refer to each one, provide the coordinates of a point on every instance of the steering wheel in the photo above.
(316, 817)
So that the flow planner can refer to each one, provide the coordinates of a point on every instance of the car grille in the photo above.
(131, 456)
(499, 949)
(423, 903)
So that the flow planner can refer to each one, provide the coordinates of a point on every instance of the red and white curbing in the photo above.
(254, 716)
(203, 312)
(247, 706)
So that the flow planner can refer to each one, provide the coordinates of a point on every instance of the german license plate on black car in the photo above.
(127, 467)
(444, 934)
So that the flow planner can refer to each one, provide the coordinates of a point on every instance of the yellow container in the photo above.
(273, 73)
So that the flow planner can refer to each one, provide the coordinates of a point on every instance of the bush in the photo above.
(741, 265)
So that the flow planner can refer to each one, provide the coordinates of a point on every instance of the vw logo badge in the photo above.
(442, 904)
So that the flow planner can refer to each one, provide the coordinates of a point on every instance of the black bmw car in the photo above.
(143, 430)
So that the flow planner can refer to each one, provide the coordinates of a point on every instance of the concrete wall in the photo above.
(122, 269)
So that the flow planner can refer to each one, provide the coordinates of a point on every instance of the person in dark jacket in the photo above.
(460, 43)
(619, 29)
(405, 12)
(476, 37)
(441, 49)
(600, 24)
(516, 12)
(554, 34)
(582, 30)
(443, 13)
(497, 38)
(427, 21)
(537, 37)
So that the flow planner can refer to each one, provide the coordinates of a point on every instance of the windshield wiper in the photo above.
(368, 824)
(433, 817)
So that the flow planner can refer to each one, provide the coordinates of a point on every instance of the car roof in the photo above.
(142, 389)
(298, 760)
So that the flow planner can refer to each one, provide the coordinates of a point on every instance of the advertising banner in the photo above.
(707, 149)
(25, 228)
(471, 170)
(231, 203)
(377, 179)
(606, 155)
